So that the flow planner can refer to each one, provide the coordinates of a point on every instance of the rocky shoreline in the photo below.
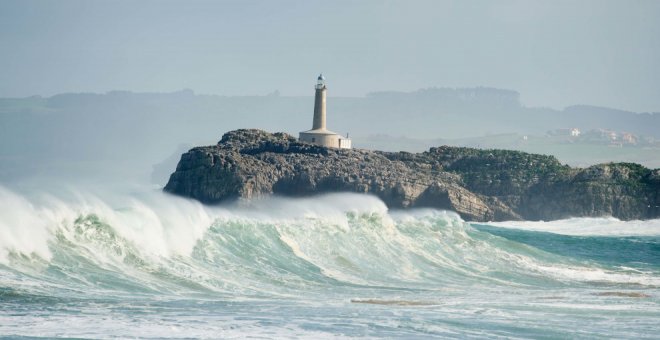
(480, 185)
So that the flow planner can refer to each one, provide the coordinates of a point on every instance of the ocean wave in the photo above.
(155, 243)
(587, 226)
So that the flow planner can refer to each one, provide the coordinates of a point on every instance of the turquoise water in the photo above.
(337, 266)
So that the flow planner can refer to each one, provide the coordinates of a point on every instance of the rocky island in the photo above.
(480, 185)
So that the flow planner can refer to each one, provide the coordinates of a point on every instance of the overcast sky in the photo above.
(555, 53)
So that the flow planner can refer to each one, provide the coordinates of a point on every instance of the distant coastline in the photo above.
(120, 119)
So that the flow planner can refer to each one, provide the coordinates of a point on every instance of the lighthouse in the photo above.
(319, 134)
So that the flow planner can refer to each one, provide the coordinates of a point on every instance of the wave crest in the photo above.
(276, 246)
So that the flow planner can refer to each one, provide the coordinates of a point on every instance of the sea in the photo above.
(146, 264)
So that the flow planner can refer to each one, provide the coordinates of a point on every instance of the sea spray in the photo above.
(24, 228)
(340, 264)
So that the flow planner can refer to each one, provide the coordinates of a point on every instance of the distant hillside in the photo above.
(68, 132)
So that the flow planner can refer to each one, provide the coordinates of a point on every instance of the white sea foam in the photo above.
(284, 267)
(349, 237)
(161, 225)
(605, 226)
(24, 228)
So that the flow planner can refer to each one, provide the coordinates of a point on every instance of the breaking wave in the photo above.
(277, 247)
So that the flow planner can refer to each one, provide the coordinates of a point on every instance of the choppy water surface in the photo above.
(156, 266)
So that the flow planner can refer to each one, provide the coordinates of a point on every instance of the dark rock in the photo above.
(480, 185)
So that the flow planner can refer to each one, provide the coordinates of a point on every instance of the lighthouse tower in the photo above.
(319, 134)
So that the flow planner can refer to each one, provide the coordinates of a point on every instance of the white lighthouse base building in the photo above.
(319, 135)
(325, 138)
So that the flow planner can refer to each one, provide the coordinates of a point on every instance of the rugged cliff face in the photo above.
(480, 185)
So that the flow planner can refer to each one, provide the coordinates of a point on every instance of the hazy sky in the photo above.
(555, 53)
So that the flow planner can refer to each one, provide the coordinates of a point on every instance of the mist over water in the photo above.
(341, 265)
